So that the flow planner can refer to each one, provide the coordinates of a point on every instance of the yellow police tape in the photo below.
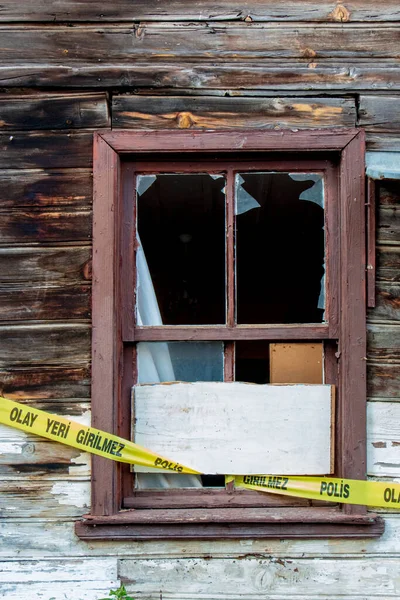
(89, 439)
(331, 489)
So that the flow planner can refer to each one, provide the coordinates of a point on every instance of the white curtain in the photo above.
(154, 366)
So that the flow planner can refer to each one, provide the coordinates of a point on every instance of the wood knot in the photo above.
(87, 270)
(139, 31)
(341, 14)
(184, 120)
(308, 53)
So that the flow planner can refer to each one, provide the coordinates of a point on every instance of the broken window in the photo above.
(187, 274)
(280, 248)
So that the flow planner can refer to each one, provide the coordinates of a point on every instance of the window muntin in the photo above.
(174, 209)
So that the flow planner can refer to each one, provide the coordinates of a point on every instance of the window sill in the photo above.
(304, 522)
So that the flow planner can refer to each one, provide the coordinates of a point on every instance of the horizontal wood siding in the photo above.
(166, 43)
(146, 112)
(202, 10)
(202, 55)
(262, 578)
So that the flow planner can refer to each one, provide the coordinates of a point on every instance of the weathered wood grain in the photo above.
(388, 225)
(44, 302)
(69, 570)
(388, 263)
(34, 227)
(42, 345)
(261, 578)
(387, 303)
(50, 266)
(222, 113)
(48, 384)
(203, 10)
(383, 380)
(377, 113)
(384, 341)
(40, 188)
(46, 149)
(167, 42)
(384, 142)
(53, 111)
(40, 460)
(383, 443)
(88, 590)
(44, 499)
(302, 75)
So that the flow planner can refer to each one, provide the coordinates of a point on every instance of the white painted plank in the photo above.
(257, 579)
(71, 590)
(88, 569)
(26, 498)
(383, 445)
(237, 428)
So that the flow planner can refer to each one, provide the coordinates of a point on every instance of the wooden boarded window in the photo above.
(251, 240)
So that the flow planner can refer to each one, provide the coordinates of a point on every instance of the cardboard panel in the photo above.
(296, 363)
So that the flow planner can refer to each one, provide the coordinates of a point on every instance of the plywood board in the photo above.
(237, 428)
(296, 363)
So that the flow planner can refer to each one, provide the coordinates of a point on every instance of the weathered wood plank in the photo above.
(224, 113)
(379, 113)
(383, 440)
(303, 75)
(55, 344)
(84, 590)
(53, 111)
(388, 263)
(46, 383)
(44, 499)
(35, 227)
(39, 188)
(384, 142)
(384, 342)
(62, 265)
(257, 579)
(49, 571)
(201, 10)
(388, 225)
(46, 149)
(387, 303)
(383, 380)
(39, 460)
(44, 302)
(167, 42)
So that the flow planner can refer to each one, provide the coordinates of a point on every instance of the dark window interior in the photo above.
(279, 252)
(181, 224)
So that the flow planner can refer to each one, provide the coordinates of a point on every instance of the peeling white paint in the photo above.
(72, 495)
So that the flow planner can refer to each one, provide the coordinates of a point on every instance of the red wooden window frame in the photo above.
(114, 336)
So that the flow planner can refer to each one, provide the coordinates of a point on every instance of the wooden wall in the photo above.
(68, 68)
